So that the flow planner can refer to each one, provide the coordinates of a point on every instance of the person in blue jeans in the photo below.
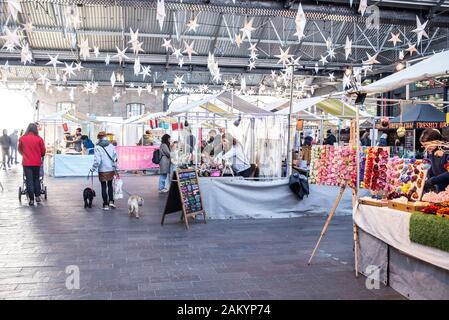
(164, 164)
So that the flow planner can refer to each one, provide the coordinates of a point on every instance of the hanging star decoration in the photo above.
(395, 38)
(133, 35)
(78, 66)
(53, 61)
(363, 6)
(284, 56)
(192, 25)
(348, 47)
(253, 55)
(149, 88)
(69, 69)
(167, 44)
(14, 8)
(113, 79)
(296, 62)
(189, 49)
(252, 65)
(160, 13)
(323, 60)
(43, 78)
(411, 49)
(28, 27)
(177, 53)
(371, 59)
(247, 29)
(181, 62)
(121, 54)
(139, 90)
(420, 30)
(317, 68)
(12, 38)
(84, 48)
(137, 66)
(331, 53)
(332, 77)
(238, 40)
(87, 87)
(178, 81)
(401, 55)
(96, 51)
(25, 55)
(116, 97)
(252, 47)
(107, 59)
(146, 72)
(300, 23)
(346, 82)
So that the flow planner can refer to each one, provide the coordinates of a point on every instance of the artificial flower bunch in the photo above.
(434, 197)
(315, 163)
(346, 164)
(407, 178)
(327, 173)
(376, 168)
(439, 209)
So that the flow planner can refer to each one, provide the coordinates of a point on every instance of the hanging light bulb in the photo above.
(400, 66)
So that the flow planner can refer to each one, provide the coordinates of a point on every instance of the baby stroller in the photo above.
(23, 189)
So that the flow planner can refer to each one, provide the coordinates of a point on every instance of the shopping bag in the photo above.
(118, 187)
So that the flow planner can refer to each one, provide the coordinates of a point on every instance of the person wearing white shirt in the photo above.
(234, 156)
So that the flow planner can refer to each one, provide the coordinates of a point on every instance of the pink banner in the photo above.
(136, 158)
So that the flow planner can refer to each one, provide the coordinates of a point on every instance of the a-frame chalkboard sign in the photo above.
(185, 196)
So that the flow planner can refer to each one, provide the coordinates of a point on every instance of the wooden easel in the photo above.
(354, 141)
(176, 199)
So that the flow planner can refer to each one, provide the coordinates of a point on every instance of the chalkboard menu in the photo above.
(185, 195)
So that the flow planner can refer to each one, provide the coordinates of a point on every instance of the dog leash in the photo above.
(91, 176)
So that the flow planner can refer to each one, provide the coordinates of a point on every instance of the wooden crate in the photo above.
(407, 207)
(373, 202)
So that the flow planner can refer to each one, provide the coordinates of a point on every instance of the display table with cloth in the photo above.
(72, 165)
(414, 270)
(237, 198)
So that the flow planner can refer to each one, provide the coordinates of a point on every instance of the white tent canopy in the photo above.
(302, 105)
(226, 97)
(436, 65)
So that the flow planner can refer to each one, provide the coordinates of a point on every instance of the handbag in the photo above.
(118, 187)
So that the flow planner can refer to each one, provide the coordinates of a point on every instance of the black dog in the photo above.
(88, 195)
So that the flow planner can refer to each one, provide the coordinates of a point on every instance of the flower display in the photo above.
(376, 168)
(434, 197)
(406, 177)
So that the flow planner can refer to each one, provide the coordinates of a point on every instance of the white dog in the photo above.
(134, 202)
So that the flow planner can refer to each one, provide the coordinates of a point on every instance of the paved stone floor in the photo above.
(123, 258)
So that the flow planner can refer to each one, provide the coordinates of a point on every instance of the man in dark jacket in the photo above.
(14, 142)
(330, 139)
(5, 143)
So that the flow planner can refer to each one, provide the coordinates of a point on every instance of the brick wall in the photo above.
(100, 104)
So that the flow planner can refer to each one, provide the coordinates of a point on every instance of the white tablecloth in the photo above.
(392, 227)
(237, 198)
(72, 165)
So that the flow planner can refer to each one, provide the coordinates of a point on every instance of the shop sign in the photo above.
(431, 125)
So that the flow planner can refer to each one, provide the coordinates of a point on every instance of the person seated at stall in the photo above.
(330, 139)
(234, 155)
(438, 174)
(365, 141)
(88, 145)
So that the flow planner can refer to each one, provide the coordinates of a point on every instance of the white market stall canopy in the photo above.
(335, 107)
(435, 66)
(226, 97)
